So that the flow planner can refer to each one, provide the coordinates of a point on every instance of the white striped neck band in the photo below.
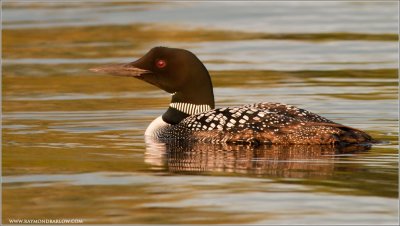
(190, 109)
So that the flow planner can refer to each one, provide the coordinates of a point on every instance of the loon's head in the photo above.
(170, 69)
(176, 71)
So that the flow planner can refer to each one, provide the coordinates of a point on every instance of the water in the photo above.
(73, 143)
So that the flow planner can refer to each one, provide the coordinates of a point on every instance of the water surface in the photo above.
(73, 144)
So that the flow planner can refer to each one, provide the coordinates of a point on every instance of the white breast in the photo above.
(155, 127)
(154, 148)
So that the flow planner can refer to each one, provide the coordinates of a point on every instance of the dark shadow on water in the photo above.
(297, 161)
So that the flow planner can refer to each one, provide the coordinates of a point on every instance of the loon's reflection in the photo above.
(273, 160)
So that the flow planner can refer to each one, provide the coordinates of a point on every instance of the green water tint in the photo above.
(58, 122)
(123, 40)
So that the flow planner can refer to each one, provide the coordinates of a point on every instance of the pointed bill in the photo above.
(126, 70)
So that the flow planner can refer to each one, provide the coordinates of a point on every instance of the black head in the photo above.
(176, 71)
(170, 69)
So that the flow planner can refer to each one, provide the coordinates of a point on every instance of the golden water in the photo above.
(72, 141)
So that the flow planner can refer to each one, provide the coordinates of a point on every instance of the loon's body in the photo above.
(192, 115)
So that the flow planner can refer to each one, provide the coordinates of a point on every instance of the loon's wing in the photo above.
(248, 124)
(258, 117)
(236, 119)
(290, 111)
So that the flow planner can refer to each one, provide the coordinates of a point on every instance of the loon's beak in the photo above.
(127, 70)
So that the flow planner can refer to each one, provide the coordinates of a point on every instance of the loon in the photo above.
(192, 115)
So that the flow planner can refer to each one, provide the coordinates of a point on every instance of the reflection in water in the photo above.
(297, 161)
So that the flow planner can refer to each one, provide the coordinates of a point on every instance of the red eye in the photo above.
(161, 63)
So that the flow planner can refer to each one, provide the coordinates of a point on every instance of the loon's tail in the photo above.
(348, 134)
(351, 135)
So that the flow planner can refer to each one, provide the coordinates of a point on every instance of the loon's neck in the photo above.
(195, 99)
